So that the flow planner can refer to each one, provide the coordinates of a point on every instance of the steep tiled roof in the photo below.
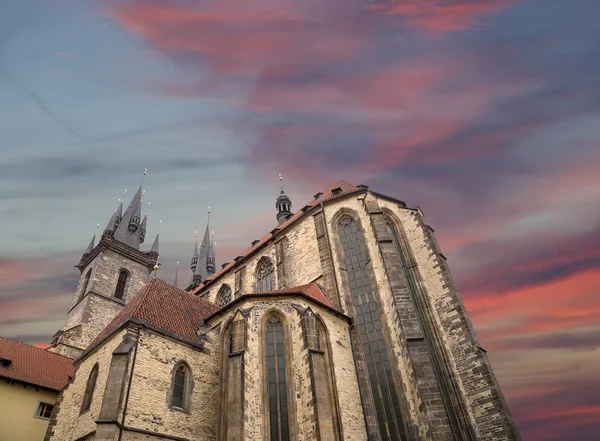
(312, 290)
(166, 307)
(34, 365)
(342, 189)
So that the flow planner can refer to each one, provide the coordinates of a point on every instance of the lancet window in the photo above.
(180, 389)
(374, 347)
(279, 426)
(120, 290)
(89, 389)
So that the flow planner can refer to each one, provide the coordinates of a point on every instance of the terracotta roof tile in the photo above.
(312, 290)
(326, 195)
(34, 365)
(166, 307)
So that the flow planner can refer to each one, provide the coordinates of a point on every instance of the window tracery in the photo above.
(223, 296)
(265, 276)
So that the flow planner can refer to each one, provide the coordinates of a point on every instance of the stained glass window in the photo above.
(265, 276)
(368, 321)
(276, 382)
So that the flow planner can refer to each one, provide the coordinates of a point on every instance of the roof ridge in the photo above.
(32, 346)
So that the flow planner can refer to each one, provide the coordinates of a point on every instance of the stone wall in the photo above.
(301, 260)
(302, 416)
(486, 409)
(106, 273)
(70, 424)
(148, 407)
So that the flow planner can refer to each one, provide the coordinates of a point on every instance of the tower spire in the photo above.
(131, 229)
(154, 248)
(203, 261)
(283, 204)
(90, 247)
(176, 273)
(194, 261)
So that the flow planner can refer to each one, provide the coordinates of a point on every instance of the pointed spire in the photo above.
(194, 261)
(203, 255)
(143, 230)
(90, 247)
(128, 230)
(283, 204)
(176, 273)
(154, 248)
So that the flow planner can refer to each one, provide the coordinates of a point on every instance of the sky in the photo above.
(485, 113)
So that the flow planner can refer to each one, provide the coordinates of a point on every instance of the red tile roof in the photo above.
(326, 195)
(166, 307)
(34, 365)
(312, 290)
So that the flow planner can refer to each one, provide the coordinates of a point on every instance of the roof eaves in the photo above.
(280, 230)
(267, 296)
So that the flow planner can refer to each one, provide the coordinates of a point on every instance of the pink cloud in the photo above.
(65, 54)
(442, 15)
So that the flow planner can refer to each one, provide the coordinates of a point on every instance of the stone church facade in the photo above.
(342, 323)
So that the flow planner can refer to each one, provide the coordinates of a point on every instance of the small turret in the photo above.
(118, 216)
(143, 230)
(194, 261)
(283, 205)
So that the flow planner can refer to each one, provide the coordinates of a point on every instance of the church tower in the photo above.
(203, 257)
(112, 272)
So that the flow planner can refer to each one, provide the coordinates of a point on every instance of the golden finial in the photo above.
(281, 182)
(97, 225)
(159, 224)
(149, 203)
(144, 176)
(156, 265)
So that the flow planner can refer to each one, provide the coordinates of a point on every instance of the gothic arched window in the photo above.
(89, 389)
(85, 283)
(123, 275)
(223, 296)
(370, 332)
(181, 386)
(265, 276)
(279, 425)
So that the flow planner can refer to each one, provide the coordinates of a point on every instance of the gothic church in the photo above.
(343, 323)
